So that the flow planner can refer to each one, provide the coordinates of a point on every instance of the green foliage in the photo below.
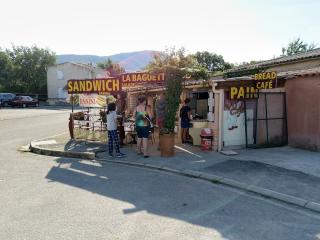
(244, 72)
(112, 68)
(297, 46)
(174, 63)
(24, 69)
(211, 61)
(6, 70)
(105, 65)
(174, 79)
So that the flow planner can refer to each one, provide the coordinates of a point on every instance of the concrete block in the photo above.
(191, 173)
(313, 206)
(151, 166)
(234, 183)
(210, 177)
(167, 169)
(58, 153)
(278, 196)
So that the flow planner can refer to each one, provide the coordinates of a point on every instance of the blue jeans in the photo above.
(113, 137)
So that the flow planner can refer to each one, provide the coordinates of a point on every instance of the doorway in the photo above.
(266, 120)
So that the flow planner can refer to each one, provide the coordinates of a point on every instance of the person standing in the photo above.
(185, 117)
(143, 116)
(112, 126)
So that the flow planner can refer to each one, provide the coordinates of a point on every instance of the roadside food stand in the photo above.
(94, 95)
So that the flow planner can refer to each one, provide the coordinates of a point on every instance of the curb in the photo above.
(58, 153)
(303, 203)
(306, 204)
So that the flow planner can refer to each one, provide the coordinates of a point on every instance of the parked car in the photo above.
(24, 101)
(6, 98)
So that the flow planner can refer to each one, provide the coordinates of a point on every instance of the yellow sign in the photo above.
(92, 100)
(262, 81)
(265, 76)
(133, 79)
(243, 92)
(106, 85)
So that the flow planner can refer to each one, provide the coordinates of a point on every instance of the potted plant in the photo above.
(173, 85)
(174, 63)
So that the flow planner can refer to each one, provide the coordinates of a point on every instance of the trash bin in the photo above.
(206, 135)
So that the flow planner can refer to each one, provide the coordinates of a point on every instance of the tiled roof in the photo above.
(281, 75)
(300, 73)
(297, 57)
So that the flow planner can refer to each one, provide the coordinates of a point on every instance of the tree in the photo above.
(5, 70)
(178, 58)
(211, 61)
(26, 70)
(297, 46)
(174, 63)
(112, 68)
(105, 65)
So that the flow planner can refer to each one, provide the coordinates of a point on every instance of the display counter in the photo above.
(88, 126)
(194, 131)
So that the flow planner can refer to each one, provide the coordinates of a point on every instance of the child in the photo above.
(112, 127)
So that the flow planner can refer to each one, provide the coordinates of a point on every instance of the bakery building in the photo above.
(271, 103)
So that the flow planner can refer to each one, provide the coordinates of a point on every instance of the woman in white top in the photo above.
(112, 126)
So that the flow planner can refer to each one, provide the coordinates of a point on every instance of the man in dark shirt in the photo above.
(185, 115)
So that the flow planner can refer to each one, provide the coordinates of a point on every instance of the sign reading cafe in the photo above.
(261, 81)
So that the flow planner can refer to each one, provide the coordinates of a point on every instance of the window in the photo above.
(60, 75)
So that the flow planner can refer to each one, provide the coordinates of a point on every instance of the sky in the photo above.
(239, 30)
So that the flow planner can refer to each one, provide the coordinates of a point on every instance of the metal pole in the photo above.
(256, 121)
(245, 121)
(266, 108)
(285, 117)
(72, 102)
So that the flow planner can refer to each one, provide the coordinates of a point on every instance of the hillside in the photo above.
(131, 61)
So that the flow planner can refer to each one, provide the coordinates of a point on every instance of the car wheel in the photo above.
(24, 105)
(37, 104)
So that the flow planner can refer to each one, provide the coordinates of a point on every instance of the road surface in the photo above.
(45, 197)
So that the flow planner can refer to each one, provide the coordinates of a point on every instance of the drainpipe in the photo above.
(221, 111)
(220, 93)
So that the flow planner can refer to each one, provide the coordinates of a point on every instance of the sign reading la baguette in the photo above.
(133, 79)
(100, 86)
(262, 81)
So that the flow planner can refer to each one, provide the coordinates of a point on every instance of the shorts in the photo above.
(185, 123)
(143, 132)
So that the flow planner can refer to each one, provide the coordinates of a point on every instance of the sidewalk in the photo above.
(287, 174)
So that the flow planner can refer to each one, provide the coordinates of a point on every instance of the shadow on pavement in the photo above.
(233, 214)
(271, 177)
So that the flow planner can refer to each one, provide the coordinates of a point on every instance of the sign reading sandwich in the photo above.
(100, 86)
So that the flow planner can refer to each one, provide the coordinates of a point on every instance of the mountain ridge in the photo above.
(131, 61)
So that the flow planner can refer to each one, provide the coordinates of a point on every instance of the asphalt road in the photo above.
(52, 198)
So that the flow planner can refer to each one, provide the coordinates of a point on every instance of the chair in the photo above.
(129, 130)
